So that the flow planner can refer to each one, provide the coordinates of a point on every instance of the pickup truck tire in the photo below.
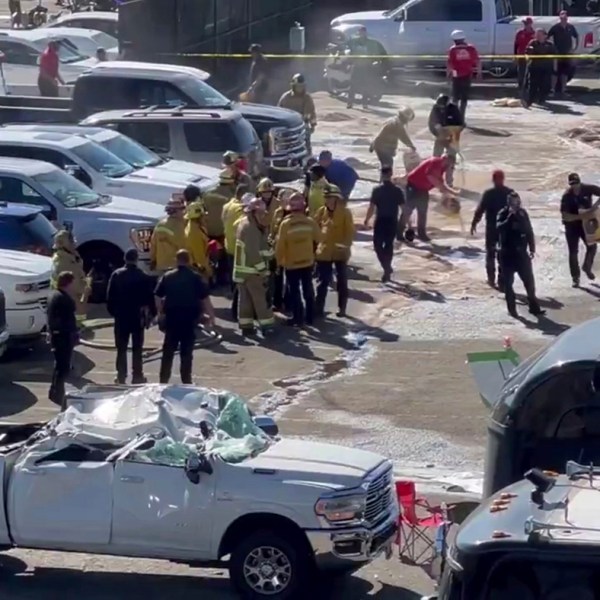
(266, 565)
(100, 259)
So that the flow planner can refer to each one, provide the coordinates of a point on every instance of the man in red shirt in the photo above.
(431, 173)
(522, 39)
(49, 76)
(463, 63)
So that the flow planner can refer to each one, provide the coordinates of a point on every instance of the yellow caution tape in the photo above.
(384, 56)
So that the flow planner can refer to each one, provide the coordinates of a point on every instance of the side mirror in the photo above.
(401, 16)
(79, 174)
(50, 213)
(195, 465)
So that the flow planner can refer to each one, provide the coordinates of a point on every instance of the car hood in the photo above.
(162, 176)
(24, 264)
(268, 114)
(119, 208)
(360, 17)
(191, 169)
(328, 464)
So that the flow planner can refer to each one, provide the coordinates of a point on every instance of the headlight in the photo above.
(274, 135)
(141, 238)
(341, 510)
(25, 288)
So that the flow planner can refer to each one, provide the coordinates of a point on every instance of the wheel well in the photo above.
(247, 524)
(91, 251)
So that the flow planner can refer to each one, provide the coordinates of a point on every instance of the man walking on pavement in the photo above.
(385, 143)
(386, 201)
(295, 251)
(565, 39)
(522, 39)
(575, 202)
(492, 202)
(538, 82)
(129, 302)
(362, 81)
(62, 330)
(49, 76)
(431, 173)
(515, 237)
(463, 65)
(251, 270)
(181, 301)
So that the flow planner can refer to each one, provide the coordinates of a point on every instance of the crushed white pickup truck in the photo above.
(187, 474)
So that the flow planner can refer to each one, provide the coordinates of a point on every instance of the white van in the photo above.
(25, 280)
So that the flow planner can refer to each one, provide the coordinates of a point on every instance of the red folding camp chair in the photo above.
(416, 534)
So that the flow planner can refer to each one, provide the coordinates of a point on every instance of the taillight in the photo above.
(588, 40)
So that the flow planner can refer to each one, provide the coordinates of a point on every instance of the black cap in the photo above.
(131, 255)
(387, 170)
(574, 179)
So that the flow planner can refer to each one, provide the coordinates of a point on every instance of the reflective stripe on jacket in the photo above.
(251, 250)
(337, 234)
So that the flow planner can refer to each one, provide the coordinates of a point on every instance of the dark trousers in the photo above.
(491, 258)
(539, 83)
(180, 335)
(125, 330)
(384, 234)
(300, 286)
(415, 200)
(518, 264)
(521, 73)
(360, 83)
(276, 288)
(574, 234)
(324, 276)
(461, 87)
(48, 87)
(62, 349)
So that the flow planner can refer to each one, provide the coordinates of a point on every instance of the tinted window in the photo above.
(203, 95)
(160, 93)
(131, 152)
(93, 94)
(29, 233)
(102, 160)
(16, 190)
(153, 135)
(43, 154)
(18, 54)
(211, 137)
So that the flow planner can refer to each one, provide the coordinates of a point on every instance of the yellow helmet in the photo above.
(226, 178)
(62, 239)
(265, 185)
(332, 191)
(195, 210)
(230, 157)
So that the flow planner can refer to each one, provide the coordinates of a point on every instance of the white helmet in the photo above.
(247, 198)
(458, 35)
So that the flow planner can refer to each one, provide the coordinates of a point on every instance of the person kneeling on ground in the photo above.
(337, 234)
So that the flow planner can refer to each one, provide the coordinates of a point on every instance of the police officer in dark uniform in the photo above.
(539, 70)
(515, 237)
(578, 199)
(181, 300)
(492, 202)
(129, 301)
(386, 200)
(62, 329)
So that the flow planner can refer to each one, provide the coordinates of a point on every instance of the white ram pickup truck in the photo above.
(423, 28)
(187, 474)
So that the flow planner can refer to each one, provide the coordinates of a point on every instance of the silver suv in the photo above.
(193, 135)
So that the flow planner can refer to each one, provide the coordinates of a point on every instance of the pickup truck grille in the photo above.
(290, 141)
(2, 311)
(379, 497)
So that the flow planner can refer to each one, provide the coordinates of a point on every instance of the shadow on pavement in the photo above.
(545, 325)
(15, 399)
(489, 132)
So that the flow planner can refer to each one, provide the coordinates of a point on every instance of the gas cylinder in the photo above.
(297, 39)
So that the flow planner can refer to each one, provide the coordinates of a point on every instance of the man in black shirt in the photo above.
(386, 200)
(515, 237)
(565, 39)
(129, 301)
(492, 202)
(443, 114)
(575, 201)
(181, 300)
(259, 70)
(62, 330)
(539, 70)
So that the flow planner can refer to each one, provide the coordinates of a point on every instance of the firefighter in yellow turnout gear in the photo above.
(168, 237)
(337, 234)
(251, 270)
(300, 101)
(197, 239)
(66, 258)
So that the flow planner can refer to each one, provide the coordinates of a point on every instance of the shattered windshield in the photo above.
(67, 190)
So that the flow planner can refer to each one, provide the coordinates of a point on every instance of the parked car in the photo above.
(127, 149)
(421, 28)
(281, 510)
(95, 166)
(25, 280)
(4, 335)
(200, 136)
(130, 85)
(22, 227)
(86, 41)
(22, 50)
(104, 226)
(105, 21)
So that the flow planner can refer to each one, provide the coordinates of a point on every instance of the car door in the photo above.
(62, 500)
(159, 512)
(20, 64)
(14, 189)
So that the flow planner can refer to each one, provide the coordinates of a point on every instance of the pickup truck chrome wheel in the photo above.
(267, 570)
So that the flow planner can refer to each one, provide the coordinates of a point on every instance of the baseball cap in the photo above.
(574, 179)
